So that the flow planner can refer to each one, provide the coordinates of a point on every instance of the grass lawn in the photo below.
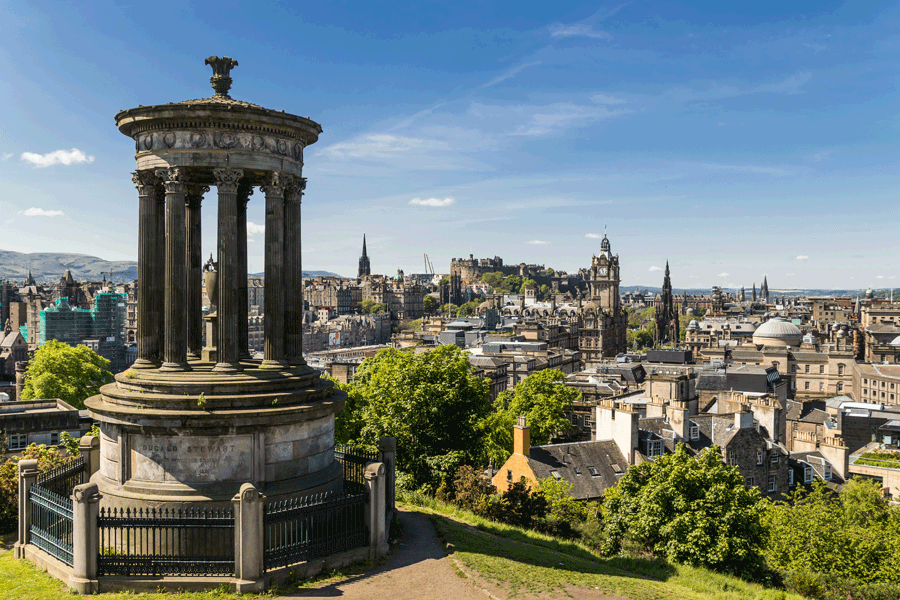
(522, 561)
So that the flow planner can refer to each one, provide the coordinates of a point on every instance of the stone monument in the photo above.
(188, 424)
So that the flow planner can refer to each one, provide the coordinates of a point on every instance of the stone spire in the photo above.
(764, 289)
(364, 267)
(753, 297)
(30, 280)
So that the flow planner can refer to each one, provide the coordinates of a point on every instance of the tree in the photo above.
(544, 292)
(493, 279)
(429, 304)
(47, 458)
(72, 374)
(445, 280)
(854, 535)
(550, 272)
(348, 423)
(688, 510)
(512, 283)
(431, 402)
(543, 397)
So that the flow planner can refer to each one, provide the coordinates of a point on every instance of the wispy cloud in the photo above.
(594, 236)
(607, 99)
(538, 243)
(509, 74)
(7, 155)
(585, 28)
(58, 157)
(879, 277)
(253, 230)
(655, 268)
(816, 47)
(802, 257)
(40, 212)
(435, 202)
(723, 274)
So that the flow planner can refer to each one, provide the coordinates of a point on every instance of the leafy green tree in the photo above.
(48, 458)
(496, 437)
(854, 535)
(543, 397)
(544, 292)
(493, 279)
(550, 272)
(431, 402)
(429, 304)
(348, 423)
(512, 283)
(72, 374)
(688, 510)
(643, 338)
(445, 280)
(527, 283)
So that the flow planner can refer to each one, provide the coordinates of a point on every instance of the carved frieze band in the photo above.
(216, 139)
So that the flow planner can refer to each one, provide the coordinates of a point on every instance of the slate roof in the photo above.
(599, 463)
(816, 416)
(10, 339)
(711, 381)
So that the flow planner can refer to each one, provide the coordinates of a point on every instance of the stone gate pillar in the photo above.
(28, 474)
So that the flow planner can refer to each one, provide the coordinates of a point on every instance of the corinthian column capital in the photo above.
(174, 179)
(277, 184)
(145, 182)
(227, 179)
(193, 194)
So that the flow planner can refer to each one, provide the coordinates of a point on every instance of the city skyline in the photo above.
(731, 141)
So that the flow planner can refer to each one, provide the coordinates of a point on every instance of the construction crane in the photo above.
(429, 268)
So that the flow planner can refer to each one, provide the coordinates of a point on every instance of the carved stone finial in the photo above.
(221, 79)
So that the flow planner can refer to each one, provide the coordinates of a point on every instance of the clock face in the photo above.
(602, 271)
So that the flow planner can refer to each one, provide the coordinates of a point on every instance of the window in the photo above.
(821, 369)
(54, 437)
(827, 472)
(790, 477)
(556, 475)
(841, 369)
(508, 475)
(759, 457)
(695, 431)
(806, 369)
(771, 482)
(594, 472)
(748, 481)
(774, 459)
(17, 441)
(807, 474)
(793, 368)
(821, 386)
(806, 385)
(654, 448)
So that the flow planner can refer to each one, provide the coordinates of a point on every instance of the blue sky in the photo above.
(731, 139)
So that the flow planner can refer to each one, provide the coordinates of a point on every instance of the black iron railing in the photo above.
(63, 479)
(354, 461)
(304, 528)
(158, 542)
(51, 523)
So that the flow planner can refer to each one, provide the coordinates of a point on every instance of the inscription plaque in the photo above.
(193, 459)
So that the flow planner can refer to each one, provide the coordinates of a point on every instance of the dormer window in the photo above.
(827, 472)
(807, 474)
(695, 431)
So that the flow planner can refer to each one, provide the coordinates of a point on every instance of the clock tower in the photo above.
(603, 321)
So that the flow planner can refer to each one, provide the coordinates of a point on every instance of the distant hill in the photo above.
(305, 274)
(50, 266)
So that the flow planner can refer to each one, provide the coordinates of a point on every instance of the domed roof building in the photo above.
(777, 332)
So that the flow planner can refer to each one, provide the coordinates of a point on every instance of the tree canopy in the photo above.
(429, 304)
(689, 510)
(72, 374)
(431, 402)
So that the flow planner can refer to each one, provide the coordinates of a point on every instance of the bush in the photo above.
(48, 458)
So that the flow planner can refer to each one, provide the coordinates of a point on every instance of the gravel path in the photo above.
(417, 568)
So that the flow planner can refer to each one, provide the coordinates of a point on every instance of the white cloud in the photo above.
(253, 228)
(606, 99)
(7, 155)
(511, 73)
(789, 274)
(879, 277)
(58, 157)
(40, 212)
(723, 274)
(594, 236)
(436, 202)
(802, 257)
(538, 242)
(655, 268)
(577, 30)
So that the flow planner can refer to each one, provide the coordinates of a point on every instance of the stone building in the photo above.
(876, 383)
(666, 330)
(365, 268)
(13, 349)
(603, 320)
(347, 331)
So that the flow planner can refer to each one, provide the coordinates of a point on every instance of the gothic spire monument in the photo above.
(191, 424)
(667, 325)
(365, 268)
(764, 290)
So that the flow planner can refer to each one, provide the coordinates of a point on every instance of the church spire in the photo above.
(365, 267)
(364, 245)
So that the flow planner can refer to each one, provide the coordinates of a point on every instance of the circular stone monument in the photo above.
(190, 424)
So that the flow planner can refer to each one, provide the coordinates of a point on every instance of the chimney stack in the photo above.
(521, 437)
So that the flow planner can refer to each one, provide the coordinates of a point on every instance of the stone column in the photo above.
(175, 342)
(293, 275)
(248, 539)
(158, 273)
(28, 474)
(375, 509)
(229, 310)
(387, 452)
(148, 342)
(85, 537)
(274, 271)
(194, 197)
(245, 190)
(89, 448)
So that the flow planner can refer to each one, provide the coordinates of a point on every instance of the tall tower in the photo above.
(666, 317)
(764, 290)
(603, 321)
(364, 267)
(753, 297)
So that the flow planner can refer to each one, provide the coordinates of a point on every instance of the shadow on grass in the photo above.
(493, 539)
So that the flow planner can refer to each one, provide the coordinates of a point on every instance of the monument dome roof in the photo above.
(777, 331)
